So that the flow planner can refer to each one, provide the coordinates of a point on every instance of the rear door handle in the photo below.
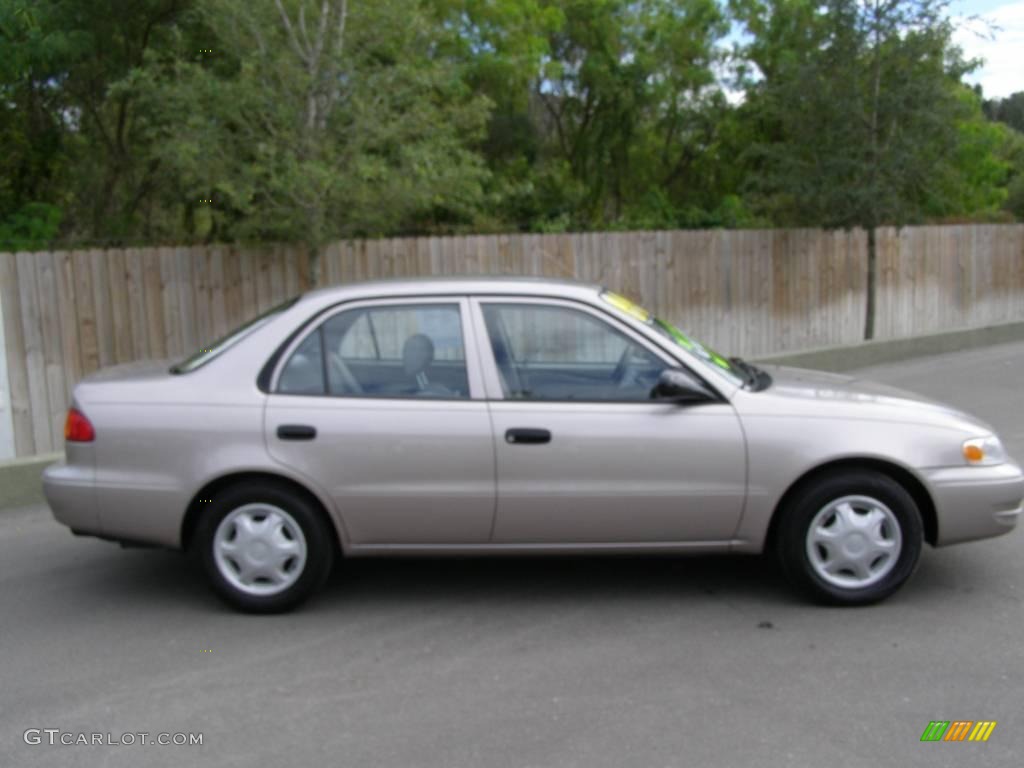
(296, 432)
(524, 436)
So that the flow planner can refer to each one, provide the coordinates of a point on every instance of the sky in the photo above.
(1002, 48)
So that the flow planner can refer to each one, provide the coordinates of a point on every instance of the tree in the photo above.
(1008, 113)
(30, 129)
(114, 174)
(309, 120)
(973, 180)
(862, 118)
(606, 113)
(500, 46)
(623, 97)
(327, 119)
(1011, 151)
(1009, 110)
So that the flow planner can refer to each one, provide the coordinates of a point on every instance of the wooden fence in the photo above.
(70, 313)
(941, 278)
(749, 292)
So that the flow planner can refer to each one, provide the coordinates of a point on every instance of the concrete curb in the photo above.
(20, 479)
(868, 353)
(20, 483)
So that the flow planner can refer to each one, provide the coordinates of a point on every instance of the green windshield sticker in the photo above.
(679, 336)
(697, 348)
(705, 354)
(623, 304)
(720, 361)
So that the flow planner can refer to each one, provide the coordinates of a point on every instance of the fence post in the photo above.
(872, 285)
(6, 417)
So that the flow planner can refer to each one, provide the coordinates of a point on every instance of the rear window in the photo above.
(207, 353)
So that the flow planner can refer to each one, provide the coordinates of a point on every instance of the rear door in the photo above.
(583, 454)
(379, 405)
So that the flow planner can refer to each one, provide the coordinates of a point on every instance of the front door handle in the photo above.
(296, 432)
(524, 436)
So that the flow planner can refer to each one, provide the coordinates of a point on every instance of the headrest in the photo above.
(417, 354)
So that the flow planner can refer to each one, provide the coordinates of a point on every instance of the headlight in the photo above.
(984, 451)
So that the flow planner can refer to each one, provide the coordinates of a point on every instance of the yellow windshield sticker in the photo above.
(625, 305)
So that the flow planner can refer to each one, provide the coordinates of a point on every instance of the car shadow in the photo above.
(176, 580)
(159, 577)
(555, 579)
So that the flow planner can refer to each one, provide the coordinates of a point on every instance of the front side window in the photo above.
(547, 352)
(705, 354)
(414, 350)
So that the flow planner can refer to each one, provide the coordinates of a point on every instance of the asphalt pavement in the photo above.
(521, 662)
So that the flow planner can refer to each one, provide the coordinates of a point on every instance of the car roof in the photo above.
(460, 284)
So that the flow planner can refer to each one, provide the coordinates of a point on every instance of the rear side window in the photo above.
(206, 354)
(414, 351)
(304, 374)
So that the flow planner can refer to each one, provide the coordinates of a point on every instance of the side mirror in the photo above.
(677, 386)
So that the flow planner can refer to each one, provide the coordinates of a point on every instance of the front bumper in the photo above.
(70, 490)
(976, 502)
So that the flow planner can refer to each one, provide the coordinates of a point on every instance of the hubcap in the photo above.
(259, 549)
(854, 542)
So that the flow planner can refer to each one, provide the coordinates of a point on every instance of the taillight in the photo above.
(77, 428)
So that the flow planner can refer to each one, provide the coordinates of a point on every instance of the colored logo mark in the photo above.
(958, 730)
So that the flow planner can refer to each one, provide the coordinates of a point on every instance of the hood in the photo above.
(852, 393)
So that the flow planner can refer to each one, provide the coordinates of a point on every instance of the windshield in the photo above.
(705, 354)
(207, 353)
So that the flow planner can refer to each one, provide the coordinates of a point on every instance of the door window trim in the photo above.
(492, 377)
(313, 325)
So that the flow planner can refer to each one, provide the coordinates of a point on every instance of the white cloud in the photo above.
(1001, 47)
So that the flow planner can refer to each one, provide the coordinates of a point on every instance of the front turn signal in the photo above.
(984, 451)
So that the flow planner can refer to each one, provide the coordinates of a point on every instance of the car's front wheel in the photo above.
(850, 538)
(264, 548)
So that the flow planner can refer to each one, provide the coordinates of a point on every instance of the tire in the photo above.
(850, 538)
(265, 548)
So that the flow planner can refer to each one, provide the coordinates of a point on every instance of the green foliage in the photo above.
(1009, 110)
(293, 129)
(862, 119)
(1009, 116)
(973, 181)
(32, 227)
(625, 95)
(1015, 197)
(1011, 152)
(34, 52)
(499, 44)
(187, 120)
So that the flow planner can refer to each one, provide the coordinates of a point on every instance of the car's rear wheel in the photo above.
(264, 548)
(850, 538)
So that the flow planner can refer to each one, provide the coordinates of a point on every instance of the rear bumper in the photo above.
(71, 493)
(976, 502)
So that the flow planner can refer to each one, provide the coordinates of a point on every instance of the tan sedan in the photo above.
(501, 416)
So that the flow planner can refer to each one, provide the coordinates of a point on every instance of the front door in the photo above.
(378, 406)
(583, 454)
